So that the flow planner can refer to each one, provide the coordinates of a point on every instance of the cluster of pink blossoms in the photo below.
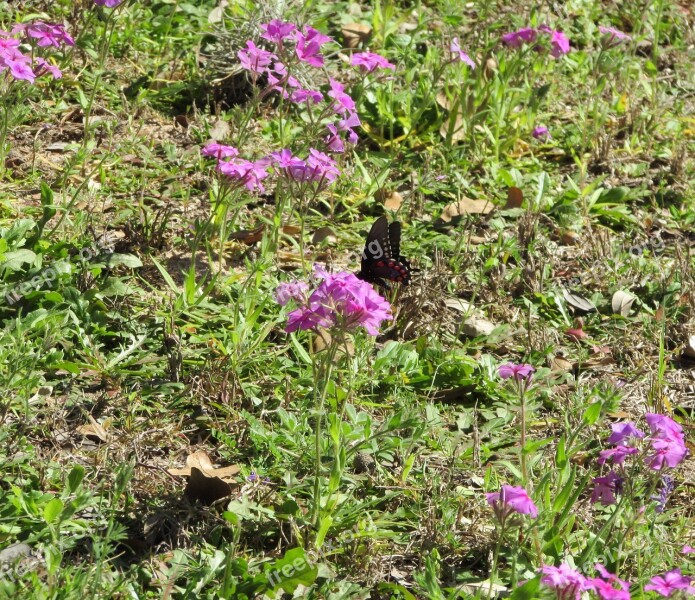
(18, 64)
(666, 449)
(569, 583)
(340, 300)
(318, 166)
(559, 42)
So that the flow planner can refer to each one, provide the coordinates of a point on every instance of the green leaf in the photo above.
(15, 260)
(75, 478)
(292, 570)
(592, 413)
(528, 591)
(129, 260)
(52, 510)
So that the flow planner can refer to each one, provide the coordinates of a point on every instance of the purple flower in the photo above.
(17, 63)
(219, 151)
(604, 586)
(670, 582)
(614, 36)
(255, 59)
(44, 66)
(662, 425)
(341, 300)
(518, 372)
(511, 499)
(516, 39)
(664, 493)
(333, 141)
(616, 455)
(688, 549)
(309, 45)
(343, 103)
(301, 95)
(285, 160)
(348, 124)
(108, 3)
(567, 582)
(293, 290)
(323, 166)
(541, 133)
(622, 432)
(459, 54)
(369, 61)
(606, 487)
(277, 30)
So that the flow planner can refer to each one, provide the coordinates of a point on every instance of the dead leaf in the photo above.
(181, 121)
(356, 33)
(248, 236)
(515, 198)
(324, 234)
(458, 305)
(569, 238)
(94, 431)
(475, 327)
(207, 483)
(561, 364)
(622, 302)
(291, 230)
(576, 334)
(578, 301)
(466, 206)
(689, 349)
(392, 201)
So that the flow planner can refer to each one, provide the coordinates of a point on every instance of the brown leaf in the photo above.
(207, 489)
(560, 364)
(248, 236)
(291, 230)
(578, 301)
(569, 238)
(393, 201)
(324, 234)
(93, 431)
(576, 334)
(466, 206)
(515, 198)
(356, 33)
(201, 461)
(689, 349)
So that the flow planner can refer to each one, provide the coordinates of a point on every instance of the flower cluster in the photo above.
(340, 300)
(318, 167)
(666, 449)
(43, 35)
(570, 583)
(559, 42)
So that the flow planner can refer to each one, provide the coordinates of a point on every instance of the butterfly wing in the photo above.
(381, 260)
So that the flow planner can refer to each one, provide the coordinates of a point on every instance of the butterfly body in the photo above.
(381, 259)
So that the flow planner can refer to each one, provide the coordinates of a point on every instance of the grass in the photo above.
(161, 435)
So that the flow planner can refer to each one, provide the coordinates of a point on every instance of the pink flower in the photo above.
(688, 549)
(108, 3)
(516, 39)
(333, 141)
(255, 59)
(662, 425)
(614, 36)
(341, 300)
(369, 61)
(666, 453)
(293, 290)
(17, 63)
(565, 581)
(511, 499)
(44, 66)
(348, 124)
(324, 166)
(277, 30)
(48, 34)
(459, 54)
(541, 133)
(219, 151)
(605, 488)
(670, 582)
(343, 103)
(246, 172)
(518, 372)
(285, 160)
(622, 432)
(559, 44)
(604, 586)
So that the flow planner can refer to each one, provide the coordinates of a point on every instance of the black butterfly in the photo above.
(381, 259)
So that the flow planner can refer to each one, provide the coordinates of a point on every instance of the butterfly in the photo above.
(381, 259)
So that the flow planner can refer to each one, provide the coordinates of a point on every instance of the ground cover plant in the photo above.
(347, 299)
